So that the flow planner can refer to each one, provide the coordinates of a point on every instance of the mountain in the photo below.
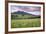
(25, 13)
(21, 12)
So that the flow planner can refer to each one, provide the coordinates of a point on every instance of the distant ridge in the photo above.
(22, 12)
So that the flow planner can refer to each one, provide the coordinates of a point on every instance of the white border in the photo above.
(23, 29)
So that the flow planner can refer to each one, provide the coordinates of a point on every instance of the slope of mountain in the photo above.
(25, 13)
(21, 12)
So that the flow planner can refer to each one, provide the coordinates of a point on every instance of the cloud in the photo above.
(25, 8)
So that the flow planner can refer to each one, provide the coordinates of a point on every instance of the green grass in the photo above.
(19, 16)
(23, 23)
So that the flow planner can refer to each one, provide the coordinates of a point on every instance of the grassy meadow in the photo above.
(23, 23)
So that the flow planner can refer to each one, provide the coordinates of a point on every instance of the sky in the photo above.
(36, 10)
